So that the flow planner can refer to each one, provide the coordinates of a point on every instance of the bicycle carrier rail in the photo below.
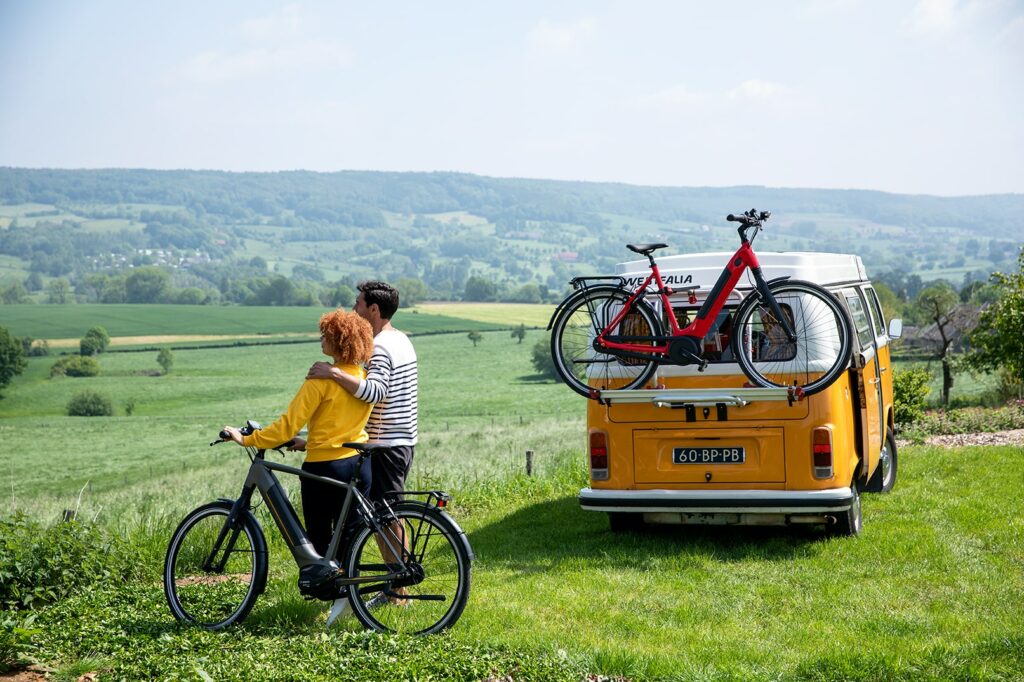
(699, 397)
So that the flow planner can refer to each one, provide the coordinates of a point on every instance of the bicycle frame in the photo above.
(261, 477)
(707, 314)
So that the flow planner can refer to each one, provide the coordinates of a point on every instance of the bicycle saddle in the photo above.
(645, 249)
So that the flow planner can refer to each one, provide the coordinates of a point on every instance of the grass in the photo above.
(930, 590)
(71, 321)
(481, 408)
(505, 314)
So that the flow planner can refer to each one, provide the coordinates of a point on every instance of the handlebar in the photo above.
(750, 218)
(247, 430)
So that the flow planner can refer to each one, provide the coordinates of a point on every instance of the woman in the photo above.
(334, 417)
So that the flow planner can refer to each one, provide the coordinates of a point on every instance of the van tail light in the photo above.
(598, 456)
(821, 452)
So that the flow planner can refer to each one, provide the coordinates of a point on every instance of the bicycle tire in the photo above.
(211, 599)
(439, 547)
(822, 348)
(583, 315)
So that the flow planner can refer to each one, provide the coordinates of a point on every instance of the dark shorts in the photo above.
(390, 468)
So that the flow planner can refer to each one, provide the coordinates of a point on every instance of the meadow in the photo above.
(138, 321)
(930, 590)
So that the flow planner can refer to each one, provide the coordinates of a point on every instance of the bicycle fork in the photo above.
(766, 295)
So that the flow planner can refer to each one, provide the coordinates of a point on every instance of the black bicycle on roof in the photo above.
(785, 333)
(406, 569)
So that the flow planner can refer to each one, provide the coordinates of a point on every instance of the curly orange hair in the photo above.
(348, 336)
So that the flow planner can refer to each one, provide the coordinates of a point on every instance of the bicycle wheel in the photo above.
(584, 315)
(436, 592)
(824, 338)
(213, 573)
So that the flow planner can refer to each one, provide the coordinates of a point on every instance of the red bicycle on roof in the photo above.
(785, 333)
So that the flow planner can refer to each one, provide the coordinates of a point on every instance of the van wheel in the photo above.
(849, 522)
(624, 522)
(884, 477)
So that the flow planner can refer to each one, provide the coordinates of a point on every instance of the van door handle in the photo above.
(883, 369)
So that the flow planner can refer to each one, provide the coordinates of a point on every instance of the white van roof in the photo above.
(703, 269)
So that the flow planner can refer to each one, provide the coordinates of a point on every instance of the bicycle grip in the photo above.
(735, 219)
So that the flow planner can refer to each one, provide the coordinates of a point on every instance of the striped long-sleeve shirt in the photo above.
(391, 384)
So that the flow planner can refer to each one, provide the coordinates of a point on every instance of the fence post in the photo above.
(529, 462)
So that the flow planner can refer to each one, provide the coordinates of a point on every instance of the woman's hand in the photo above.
(298, 444)
(235, 434)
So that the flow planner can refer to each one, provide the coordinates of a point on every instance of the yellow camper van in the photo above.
(705, 447)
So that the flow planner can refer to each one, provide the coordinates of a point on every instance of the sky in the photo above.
(922, 97)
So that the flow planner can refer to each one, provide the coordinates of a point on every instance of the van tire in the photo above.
(625, 522)
(884, 477)
(850, 522)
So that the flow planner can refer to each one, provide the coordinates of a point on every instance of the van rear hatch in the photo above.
(709, 455)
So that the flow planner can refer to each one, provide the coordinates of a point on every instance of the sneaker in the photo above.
(340, 610)
(379, 600)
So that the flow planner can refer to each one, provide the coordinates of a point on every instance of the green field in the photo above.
(931, 589)
(136, 320)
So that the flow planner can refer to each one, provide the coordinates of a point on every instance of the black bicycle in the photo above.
(406, 569)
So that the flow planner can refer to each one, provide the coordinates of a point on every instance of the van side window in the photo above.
(860, 319)
(876, 311)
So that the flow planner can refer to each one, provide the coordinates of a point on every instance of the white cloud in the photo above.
(279, 43)
(309, 55)
(561, 37)
(932, 17)
(760, 91)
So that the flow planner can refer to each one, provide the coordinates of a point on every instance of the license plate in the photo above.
(713, 455)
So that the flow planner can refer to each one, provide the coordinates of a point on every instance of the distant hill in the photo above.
(444, 228)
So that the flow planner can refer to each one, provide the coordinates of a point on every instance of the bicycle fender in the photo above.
(461, 534)
(571, 298)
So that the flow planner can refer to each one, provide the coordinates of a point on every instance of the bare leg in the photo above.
(396, 531)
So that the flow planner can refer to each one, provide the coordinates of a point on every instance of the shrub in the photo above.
(89, 345)
(90, 404)
(165, 358)
(15, 640)
(75, 366)
(910, 388)
(42, 564)
(100, 338)
(542, 360)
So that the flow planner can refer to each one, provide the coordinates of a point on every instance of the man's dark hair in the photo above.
(381, 293)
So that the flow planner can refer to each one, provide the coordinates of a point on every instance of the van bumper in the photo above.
(828, 501)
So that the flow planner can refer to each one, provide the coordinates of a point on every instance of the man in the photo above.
(391, 385)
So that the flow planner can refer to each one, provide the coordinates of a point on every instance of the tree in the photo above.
(94, 342)
(14, 293)
(475, 336)
(479, 289)
(165, 358)
(341, 296)
(146, 285)
(998, 339)
(937, 302)
(12, 357)
(411, 291)
(519, 333)
(34, 282)
(58, 291)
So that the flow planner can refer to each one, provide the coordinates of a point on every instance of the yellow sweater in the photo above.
(333, 415)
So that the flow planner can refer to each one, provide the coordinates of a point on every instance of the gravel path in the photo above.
(1015, 437)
